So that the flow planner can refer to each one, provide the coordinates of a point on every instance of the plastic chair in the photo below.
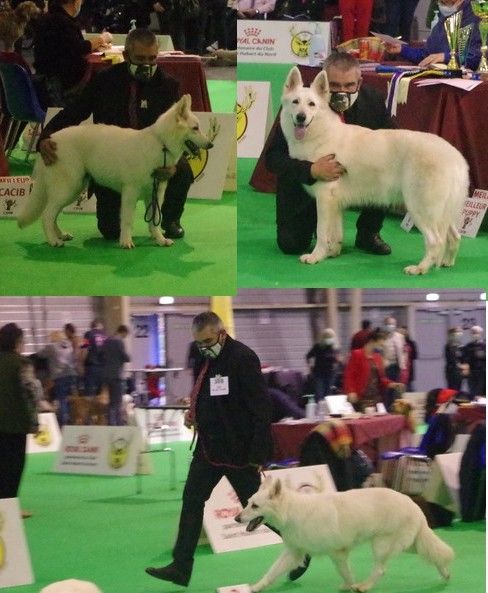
(21, 102)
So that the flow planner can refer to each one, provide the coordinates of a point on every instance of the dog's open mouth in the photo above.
(192, 147)
(300, 129)
(254, 523)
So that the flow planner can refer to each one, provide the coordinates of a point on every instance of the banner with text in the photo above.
(254, 117)
(278, 42)
(15, 563)
(226, 535)
(48, 436)
(102, 450)
(14, 191)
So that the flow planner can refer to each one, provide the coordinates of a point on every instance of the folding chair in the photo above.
(21, 102)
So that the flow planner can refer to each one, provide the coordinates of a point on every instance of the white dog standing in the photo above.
(332, 524)
(383, 167)
(71, 586)
(119, 158)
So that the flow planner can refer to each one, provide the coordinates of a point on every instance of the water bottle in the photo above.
(310, 407)
(316, 48)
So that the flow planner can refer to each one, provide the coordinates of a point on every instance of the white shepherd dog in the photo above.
(119, 158)
(332, 524)
(71, 586)
(383, 167)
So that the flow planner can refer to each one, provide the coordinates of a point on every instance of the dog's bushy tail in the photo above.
(34, 205)
(433, 549)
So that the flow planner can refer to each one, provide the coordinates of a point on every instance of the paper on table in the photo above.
(460, 83)
(387, 38)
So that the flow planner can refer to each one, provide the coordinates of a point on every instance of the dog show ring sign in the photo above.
(14, 191)
(101, 450)
(226, 535)
(15, 564)
(278, 42)
(48, 436)
(254, 117)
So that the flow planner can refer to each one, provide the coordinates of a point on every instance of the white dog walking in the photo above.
(71, 586)
(332, 524)
(119, 158)
(383, 167)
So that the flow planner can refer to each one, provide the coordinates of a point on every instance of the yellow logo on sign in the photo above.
(43, 436)
(118, 453)
(241, 111)
(300, 42)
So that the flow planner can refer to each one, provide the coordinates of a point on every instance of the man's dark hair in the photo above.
(376, 335)
(205, 319)
(122, 329)
(10, 334)
(342, 61)
(365, 324)
(69, 328)
(140, 35)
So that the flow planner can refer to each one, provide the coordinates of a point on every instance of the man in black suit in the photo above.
(114, 356)
(296, 215)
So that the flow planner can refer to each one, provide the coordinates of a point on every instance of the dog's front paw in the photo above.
(163, 242)
(127, 244)
(56, 243)
(414, 270)
(311, 258)
(360, 587)
(66, 236)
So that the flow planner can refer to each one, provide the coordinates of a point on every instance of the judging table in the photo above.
(468, 417)
(456, 115)
(373, 434)
(188, 71)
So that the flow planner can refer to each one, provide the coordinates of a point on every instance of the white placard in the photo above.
(443, 484)
(407, 223)
(226, 535)
(14, 190)
(159, 426)
(473, 212)
(101, 450)
(210, 166)
(15, 564)
(254, 117)
(278, 42)
(48, 437)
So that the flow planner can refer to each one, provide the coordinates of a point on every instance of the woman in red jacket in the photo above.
(365, 381)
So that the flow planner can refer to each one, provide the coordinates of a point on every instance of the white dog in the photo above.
(119, 158)
(332, 524)
(71, 586)
(383, 167)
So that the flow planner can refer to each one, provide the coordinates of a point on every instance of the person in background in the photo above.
(365, 380)
(399, 17)
(436, 48)
(394, 357)
(60, 51)
(411, 355)
(296, 211)
(255, 9)
(356, 18)
(474, 355)
(114, 356)
(453, 354)
(18, 414)
(92, 357)
(132, 94)
(230, 410)
(359, 338)
(323, 359)
(75, 340)
(62, 369)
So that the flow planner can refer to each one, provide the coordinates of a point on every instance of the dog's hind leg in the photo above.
(383, 548)
(453, 238)
(341, 561)
(285, 562)
(434, 248)
(127, 212)
(155, 231)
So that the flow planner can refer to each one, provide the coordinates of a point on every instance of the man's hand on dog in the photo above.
(326, 168)
(164, 173)
(47, 148)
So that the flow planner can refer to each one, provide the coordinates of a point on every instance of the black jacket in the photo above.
(234, 428)
(59, 47)
(368, 111)
(107, 97)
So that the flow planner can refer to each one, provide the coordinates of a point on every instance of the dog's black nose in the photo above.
(237, 518)
(209, 145)
(301, 117)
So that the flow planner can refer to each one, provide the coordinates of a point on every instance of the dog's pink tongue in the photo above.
(299, 132)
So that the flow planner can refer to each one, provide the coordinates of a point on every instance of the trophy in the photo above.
(452, 26)
(480, 9)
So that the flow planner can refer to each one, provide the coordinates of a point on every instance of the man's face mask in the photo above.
(211, 351)
(389, 327)
(142, 72)
(341, 101)
(447, 11)
(328, 341)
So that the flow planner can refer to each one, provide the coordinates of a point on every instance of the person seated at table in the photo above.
(365, 381)
(436, 48)
(132, 94)
(255, 9)
(356, 18)
(60, 51)
(296, 215)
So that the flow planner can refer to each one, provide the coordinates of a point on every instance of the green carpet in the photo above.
(90, 265)
(99, 529)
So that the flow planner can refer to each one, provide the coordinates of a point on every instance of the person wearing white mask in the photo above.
(453, 352)
(394, 351)
(323, 359)
(474, 355)
(296, 215)
(60, 51)
(436, 49)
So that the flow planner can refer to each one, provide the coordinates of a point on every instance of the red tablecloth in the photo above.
(457, 116)
(187, 70)
(468, 417)
(373, 434)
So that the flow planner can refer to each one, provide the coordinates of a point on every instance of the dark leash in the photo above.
(154, 213)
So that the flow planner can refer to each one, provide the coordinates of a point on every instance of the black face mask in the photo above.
(142, 72)
(341, 101)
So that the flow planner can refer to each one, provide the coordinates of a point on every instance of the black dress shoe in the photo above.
(297, 572)
(170, 573)
(173, 230)
(372, 244)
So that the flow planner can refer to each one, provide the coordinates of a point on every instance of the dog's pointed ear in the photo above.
(184, 106)
(276, 489)
(320, 84)
(293, 80)
(267, 481)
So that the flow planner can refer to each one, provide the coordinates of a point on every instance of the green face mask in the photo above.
(142, 72)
